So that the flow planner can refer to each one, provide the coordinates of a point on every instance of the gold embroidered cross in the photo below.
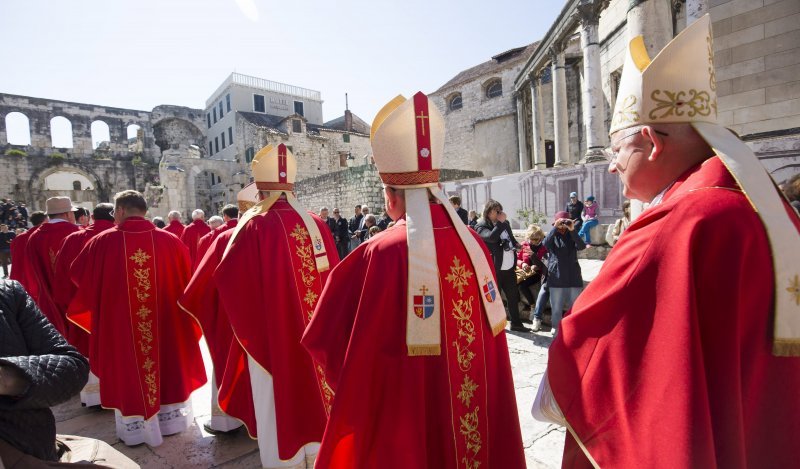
(794, 289)
(424, 289)
(422, 116)
(140, 257)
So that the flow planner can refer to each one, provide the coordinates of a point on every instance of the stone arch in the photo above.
(135, 138)
(175, 133)
(101, 134)
(61, 132)
(39, 191)
(492, 88)
(454, 101)
(18, 128)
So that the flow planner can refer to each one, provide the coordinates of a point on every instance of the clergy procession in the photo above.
(684, 351)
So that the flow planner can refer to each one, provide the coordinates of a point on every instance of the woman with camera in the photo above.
(495, 230)
(563, 271)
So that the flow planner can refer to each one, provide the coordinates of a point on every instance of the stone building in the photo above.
(181, 158)
(566, 90)
(480, 117)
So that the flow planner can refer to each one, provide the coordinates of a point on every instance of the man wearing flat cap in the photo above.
(685, 350)
(417, 355)
(42, 251)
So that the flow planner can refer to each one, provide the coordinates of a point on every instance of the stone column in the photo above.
(537, 125)
(653, 20)
(524, 161)
(560, 116)
(695, 9)
(591, 85)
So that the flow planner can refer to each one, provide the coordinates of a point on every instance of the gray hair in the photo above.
(198, 214)
(174, 215)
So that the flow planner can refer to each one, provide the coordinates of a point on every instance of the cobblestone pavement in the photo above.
(195, 447)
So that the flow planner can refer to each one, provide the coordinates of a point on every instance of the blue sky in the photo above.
(145, 53)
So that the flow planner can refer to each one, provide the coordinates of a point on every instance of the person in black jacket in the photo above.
(353, 225)
(39, 369)
(341, 233)
(456, 202)
(563, 270)
(575, 210)
(495, 231)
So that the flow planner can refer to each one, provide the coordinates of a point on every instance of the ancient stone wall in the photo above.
(472, 140)
(357, 185)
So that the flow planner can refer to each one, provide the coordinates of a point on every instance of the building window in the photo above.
(455, 102)
(222, 135)
(297, 126)
(249, 154)
(210, 148)
(208, 119)
(228, 101)
(216, 144)
(230, 135)
(546, 77)
(298, 108)
(215, 115)
(220, 109)
(494, 89)
(258, 103)
(346, 138)
(76, 185)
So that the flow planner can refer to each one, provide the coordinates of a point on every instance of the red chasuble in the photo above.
(191, 236)
(175, 227)
(392, 410)
(270, 284)
(665, 360)
(20, 268)
(205, 242)
(64, 289)
(201, 300)
(42, 249)
(142, 347)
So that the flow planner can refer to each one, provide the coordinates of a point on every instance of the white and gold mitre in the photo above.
(274, 168)
(678, 86)
(403, 161)
(247, 197)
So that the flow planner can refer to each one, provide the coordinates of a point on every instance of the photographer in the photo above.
(563, 270)
(495, 231)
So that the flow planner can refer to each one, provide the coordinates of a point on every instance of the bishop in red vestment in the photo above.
(192, 234)
(20, 267)
(64, 291)
(143, 349)
(230, 217)
(268, 282)
(42, 250)
(175, 226)
(421, 374)
(680, 352)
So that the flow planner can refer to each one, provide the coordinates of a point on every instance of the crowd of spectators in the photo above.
(13, 214)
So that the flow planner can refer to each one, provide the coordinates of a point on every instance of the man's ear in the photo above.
(657, 141)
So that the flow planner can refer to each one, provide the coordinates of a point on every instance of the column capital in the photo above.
(588, 12)
(556, 54)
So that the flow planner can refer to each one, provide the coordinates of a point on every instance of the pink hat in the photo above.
(561, 214)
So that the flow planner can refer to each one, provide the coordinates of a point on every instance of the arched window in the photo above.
(455, 102)
(61, 132)
(76, 185)
(494, 89)
(133, 131)
(100, 134)
(18, 129)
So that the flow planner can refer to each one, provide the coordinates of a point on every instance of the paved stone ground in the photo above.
(543, 442)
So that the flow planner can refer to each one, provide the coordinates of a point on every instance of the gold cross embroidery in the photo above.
(794, 289)
(422, 116)
(140, 257)
(424, 289)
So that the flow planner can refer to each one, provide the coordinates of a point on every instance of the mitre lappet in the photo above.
(679, 86)
(274, 170)
(408, 143)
